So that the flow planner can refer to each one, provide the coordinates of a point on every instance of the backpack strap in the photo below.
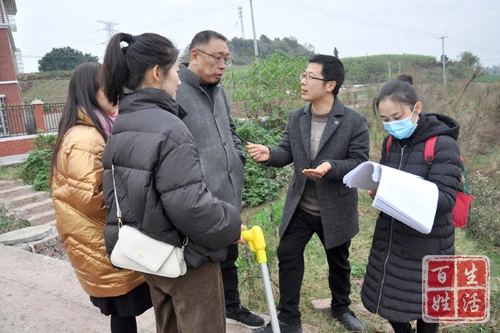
(429, 150)
(388, 143)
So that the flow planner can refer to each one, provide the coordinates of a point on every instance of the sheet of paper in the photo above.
(404, 196)
(363, 176)
(411, 200)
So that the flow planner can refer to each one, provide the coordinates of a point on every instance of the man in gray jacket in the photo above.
(324, 140)
(222, 157)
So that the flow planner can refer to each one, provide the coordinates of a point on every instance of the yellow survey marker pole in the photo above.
(257, 243)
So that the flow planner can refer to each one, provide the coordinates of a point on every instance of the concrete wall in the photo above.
(50, 246)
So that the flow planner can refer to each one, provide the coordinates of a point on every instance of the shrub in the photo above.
(37, 164)
(268, 89)
(262, 184)
(484, 217)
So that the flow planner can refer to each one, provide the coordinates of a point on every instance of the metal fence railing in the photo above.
(52, 114)
(17, 120)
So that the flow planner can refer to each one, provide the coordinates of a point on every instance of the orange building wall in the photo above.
(7, 70)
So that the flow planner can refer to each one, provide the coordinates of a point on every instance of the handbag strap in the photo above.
(118, 210)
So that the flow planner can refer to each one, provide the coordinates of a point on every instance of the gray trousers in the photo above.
(190, 303)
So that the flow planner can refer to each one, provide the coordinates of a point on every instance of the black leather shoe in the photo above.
(349, 321)
(242, 315)
(284, 328)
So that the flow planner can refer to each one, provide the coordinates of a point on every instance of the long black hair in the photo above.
(125, 67)
(82, 94)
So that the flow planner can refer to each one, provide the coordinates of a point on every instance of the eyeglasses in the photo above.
(309, 77)
(219, 60)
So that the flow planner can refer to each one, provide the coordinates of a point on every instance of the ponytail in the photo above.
(125, 67)
(115, 69)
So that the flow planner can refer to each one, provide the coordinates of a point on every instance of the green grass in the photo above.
(315, 285)
(7, 224)
(11, 172)
(487, 78)
(48, 90)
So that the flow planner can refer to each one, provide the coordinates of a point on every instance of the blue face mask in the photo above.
(401, 129)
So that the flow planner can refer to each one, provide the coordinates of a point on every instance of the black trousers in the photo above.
(291, 267)
(230, 277)
(422, 327)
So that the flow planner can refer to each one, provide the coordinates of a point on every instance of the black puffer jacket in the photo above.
(159, 182)
(392, 286)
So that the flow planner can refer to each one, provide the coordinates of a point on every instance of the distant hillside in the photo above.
(243, 52)
(51, 87)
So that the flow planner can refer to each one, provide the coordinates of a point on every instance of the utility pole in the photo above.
(240, 12)
(444, 61)
(108, 26)
(389, 66)
(256, 49)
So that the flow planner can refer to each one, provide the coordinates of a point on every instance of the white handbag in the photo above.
(139, 252)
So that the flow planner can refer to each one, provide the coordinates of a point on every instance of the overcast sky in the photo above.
(355, 27)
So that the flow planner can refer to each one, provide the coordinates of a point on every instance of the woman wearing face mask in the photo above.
(392, 285)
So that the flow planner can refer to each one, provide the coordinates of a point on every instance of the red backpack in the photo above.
(464, 198)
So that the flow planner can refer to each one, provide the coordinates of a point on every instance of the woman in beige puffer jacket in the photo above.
(76, 181)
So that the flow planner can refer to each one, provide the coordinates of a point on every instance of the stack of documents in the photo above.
(402, 195)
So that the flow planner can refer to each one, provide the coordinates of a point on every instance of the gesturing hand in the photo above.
(319, 172)
(259, 153)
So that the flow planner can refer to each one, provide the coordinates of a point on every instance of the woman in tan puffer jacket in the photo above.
(76, 181)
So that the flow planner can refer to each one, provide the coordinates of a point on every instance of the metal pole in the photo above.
(256, 49)
(389, 66)
(257, 243)
(240, 12)
(270, 298)
(444, 61)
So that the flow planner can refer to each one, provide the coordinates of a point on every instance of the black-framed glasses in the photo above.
(309, 77)
(219, 60)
